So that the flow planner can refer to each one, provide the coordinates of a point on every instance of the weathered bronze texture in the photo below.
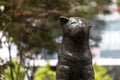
(74, 58)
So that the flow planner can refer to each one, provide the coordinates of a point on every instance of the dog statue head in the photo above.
(75, 26)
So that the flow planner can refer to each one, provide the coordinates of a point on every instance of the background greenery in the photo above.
(45, 72)
(6, 71)
(33, 25)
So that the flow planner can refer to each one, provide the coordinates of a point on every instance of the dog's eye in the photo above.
(73, 22)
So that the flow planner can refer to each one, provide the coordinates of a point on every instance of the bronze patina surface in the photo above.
(74, 58)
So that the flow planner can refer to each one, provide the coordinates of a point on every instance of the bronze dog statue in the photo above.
(74, 58)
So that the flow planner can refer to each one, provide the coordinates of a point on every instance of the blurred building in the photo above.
(109, 44)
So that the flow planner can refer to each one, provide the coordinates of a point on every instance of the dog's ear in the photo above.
(63, 19)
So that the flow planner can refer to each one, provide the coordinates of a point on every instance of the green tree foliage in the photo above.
(14, 66)
(44, 73)
(101, 73)
(118, 1)
(34, 24)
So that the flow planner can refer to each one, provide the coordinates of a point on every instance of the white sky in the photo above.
(4, 53)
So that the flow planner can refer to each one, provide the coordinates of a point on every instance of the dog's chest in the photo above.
(75, 50)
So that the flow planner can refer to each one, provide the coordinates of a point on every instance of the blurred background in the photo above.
(30, 36)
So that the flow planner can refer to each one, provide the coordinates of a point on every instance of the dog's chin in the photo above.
(76, 33)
